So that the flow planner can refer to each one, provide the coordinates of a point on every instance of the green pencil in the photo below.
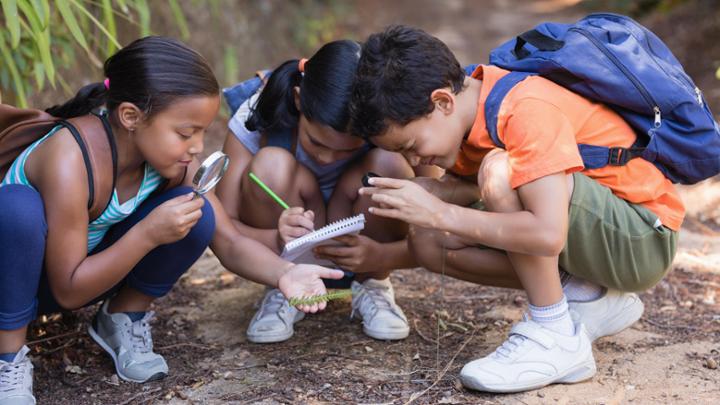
(267, 190)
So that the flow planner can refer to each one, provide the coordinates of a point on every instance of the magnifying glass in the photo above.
(210, 172)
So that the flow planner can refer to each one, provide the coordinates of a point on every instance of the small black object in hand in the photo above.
(366, 178)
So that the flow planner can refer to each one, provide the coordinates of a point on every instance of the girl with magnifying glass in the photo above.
(160, 97)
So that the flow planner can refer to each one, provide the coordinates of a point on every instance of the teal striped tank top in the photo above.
(114, 213)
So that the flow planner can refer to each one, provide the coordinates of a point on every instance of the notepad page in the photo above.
(300, 249)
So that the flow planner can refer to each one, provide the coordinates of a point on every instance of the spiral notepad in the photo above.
(300, 249)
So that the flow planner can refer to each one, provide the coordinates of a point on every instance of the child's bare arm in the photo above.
(451, 188)
(228, 192)
(540, 229)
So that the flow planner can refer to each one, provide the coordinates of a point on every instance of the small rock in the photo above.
(369, 349)
(709, 297)
(228, 375)
(113, 380)
(74, 369)
(541, 394)
(416, 356)
(182, 395)
(711, 363)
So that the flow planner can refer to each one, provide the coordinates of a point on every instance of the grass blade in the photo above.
(180, 19)
(12, 21)
(71, 22)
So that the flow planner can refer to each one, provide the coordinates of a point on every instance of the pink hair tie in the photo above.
(106, 82)
(301, 65)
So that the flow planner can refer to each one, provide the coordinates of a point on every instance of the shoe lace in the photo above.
(509, 346)
(273, 303)
(140, 335)
(11, 376)
(373, 299)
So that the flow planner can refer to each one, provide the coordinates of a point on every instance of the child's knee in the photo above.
(201, 234)
(23, 213)
(424, 246)
(494, 179)
(276, 167)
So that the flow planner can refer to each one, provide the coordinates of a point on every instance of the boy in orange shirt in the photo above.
(611, 230)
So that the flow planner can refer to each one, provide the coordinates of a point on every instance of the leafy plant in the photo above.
(316, 299)
(37, 35)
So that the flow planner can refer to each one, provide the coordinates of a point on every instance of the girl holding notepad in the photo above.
(289, 128)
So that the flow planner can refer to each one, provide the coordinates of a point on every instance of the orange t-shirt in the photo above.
(541, 124)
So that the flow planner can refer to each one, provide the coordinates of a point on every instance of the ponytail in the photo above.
(325, 90)
(275, 108)
(87, 99)
(151, 73)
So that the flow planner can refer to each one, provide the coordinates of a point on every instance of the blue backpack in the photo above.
(614, 60)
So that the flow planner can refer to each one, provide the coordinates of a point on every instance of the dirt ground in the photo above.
(670, 357)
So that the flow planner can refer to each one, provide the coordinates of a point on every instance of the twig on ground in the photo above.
(249, 366)
(73, 333)
(449, 364)
(138, 395)
(425, 338)
(186, 344)
(664, 326)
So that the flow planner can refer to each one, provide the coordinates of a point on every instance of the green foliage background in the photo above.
(39, 35)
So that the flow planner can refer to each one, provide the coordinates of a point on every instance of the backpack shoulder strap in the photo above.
(495, 99)
(97, 143)
(594, 157)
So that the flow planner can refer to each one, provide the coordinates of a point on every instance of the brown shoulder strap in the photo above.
(95, 138)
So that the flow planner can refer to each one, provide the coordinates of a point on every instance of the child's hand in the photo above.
(172, 220)
(305, 280)
(293, 223)
(406, 201)
(359, 254)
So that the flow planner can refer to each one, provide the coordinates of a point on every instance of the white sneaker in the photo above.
(382, 318)
(129, 344)
(532, 357)
(16, 380)
(274, 321)
(607, 315)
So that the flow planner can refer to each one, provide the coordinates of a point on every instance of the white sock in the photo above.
(580, 290)
(554, 317)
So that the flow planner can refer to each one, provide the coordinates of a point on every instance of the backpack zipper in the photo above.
(682, 76)
(640, 88)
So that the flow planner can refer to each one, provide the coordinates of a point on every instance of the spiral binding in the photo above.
(324, 231)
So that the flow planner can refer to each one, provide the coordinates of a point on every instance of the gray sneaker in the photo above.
(382, 318)
(274, 320)
(16, 380)
(129, 344)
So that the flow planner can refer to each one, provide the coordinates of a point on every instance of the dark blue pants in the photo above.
(24, 289)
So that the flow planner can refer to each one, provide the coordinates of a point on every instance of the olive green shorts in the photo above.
(612, 242)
